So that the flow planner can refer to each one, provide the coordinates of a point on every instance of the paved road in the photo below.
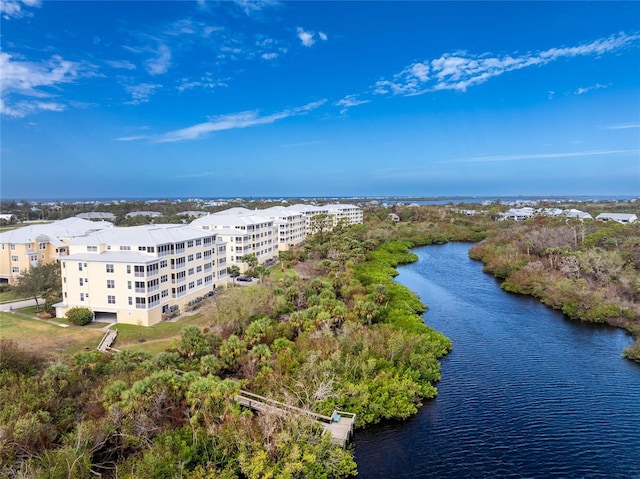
(20, 304)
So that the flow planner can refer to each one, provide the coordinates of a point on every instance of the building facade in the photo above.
(141, 275)
(24, 248)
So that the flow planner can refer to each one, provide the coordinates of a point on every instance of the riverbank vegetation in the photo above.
(327, 330)
(588, 270)
(333, 331)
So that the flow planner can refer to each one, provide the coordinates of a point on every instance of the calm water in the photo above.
(524, 394)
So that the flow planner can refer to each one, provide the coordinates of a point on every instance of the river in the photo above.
(525, 393)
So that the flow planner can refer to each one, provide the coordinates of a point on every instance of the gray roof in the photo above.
(112, 257)
(52, 232)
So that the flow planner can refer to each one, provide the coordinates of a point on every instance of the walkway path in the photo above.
(340, 424)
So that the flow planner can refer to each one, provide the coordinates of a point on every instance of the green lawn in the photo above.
(8, 296)
(130, 335)
(37, 335)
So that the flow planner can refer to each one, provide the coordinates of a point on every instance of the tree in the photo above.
(251, 259)
(80, 316)
(233, 271)
(41, 280)
(320, 224)
(261, 271)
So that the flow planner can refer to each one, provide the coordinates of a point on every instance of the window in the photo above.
(81, 296)
(141, 303)
(14, 259)
(15, 269)
(165, 293)
(92, 249)
(81, 281)
(198, 242)
(12, 247)
(190, 244)
(111, 299)
(128, 269)
(111, 284)
(163, 263)
(130, 301)
(42, 245)
(125, 248)
(128, 284)
(110, 268)
(199, 269)
(164, 278)
(192, 285)
(190, 257)
(199, 282)
(198, 255)
(191, 271)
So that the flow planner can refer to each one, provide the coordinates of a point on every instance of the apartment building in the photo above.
(290, 225)
(24, 248)
(141, 274)
(244, 232)
(351, 213)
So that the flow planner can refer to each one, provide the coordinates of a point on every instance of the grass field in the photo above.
(7, 296)
(32, 334)
(141, 337)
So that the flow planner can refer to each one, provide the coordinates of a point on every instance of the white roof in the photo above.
(573, 213)
(145, 235)
(617, 216)
(220, 220)
(53, 232)
(112, 257)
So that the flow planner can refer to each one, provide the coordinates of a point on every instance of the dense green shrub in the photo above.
(79, 316)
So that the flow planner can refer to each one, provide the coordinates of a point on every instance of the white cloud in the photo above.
(542, 156)
(159, 64)
(206, 82)
(33, 80)
(323, 36)
(269, 56)
(13, 8)
(305, 37)
(133, 138)
(461, 70)
(349, 101)
(140, 93)
(583, 90)
(121, 64)
(253, 6)
(233, 121)
(621, 126)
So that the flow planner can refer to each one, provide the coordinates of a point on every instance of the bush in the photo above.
(79, 316)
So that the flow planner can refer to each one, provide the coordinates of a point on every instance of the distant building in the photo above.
(623, 218)
(97, 215)
(577, 214)
(148, 214)
(23, 248)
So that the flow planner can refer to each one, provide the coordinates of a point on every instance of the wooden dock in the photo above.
(340, 424)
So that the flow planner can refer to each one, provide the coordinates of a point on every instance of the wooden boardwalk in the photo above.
(107, 340)
(340, 424)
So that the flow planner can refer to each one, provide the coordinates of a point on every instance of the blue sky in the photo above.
(239, 98)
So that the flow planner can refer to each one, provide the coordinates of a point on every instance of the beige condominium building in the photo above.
(245, 233)
(23, 248)
(335, 212)
(290, 225)
(140, 275)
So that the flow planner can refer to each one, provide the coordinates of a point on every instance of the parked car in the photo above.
(244, 279)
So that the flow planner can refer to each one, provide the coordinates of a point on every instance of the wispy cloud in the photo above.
(302, 143)
(251, 7)
(121, 64)
(621, 126)
(140, 93)
(461, 70)
(583, 90)
(205, 82)
(350, 101)
(235, 120)
(134, 138)
(33, 80)
(13, 8)
(161, 62)
(540, 156)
